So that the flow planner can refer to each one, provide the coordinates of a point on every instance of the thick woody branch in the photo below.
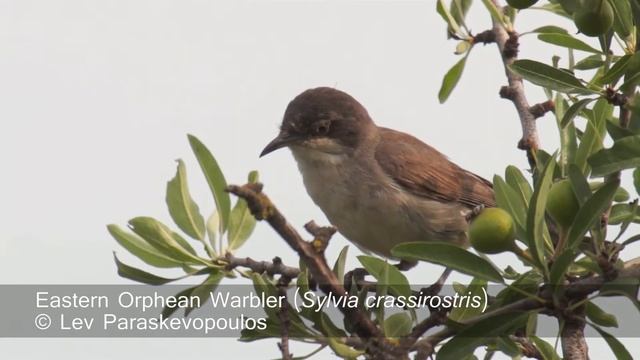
(310, 252)
(508, 45)
(574, 345)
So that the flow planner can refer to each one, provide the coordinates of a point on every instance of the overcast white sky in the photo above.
(96, 99)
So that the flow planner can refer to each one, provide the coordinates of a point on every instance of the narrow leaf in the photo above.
(548, 76)
(215, 179)
(450, 256)
(140, 248)
(135, 274)
(568, 41)
(620, 352)
(573, 110)
(184, 211)
(624, 154)
(590, 212)
(471, 337)
(451, 79)
(241, 221)
(397, 282)
(535, 216)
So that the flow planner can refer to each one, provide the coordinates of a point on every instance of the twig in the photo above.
(283, 315)
(276, 267)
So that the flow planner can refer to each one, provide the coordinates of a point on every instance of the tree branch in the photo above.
(508, 45)
(312, 253)
(276, 267)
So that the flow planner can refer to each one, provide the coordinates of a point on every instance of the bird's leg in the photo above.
(405, 265)
(435, 288)
(355, 276)
(472, 213)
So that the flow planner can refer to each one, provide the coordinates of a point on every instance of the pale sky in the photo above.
(96, 99)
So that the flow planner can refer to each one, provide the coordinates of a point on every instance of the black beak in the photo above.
(280, 141)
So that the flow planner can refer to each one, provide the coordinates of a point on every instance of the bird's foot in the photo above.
(472, 213)
(405, 265)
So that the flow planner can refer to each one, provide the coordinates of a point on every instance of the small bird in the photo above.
(379, 187)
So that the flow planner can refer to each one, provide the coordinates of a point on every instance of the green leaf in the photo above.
(496, 13)
(573, 110)
(546, 350)
(166, 241)
(624, 154)
(560, 266)
(509, 200)
(590, 212)
(215, 179)
(527, 283)
(135, 274)
(461, 313)
(568, 41)
(616, 71)
(636, 180)
(397, 282)
(599, 316)
(589, 63)
(513, 176)
(241, 221)
(623, 20)
(171, 307)
(397, 325)
(620, 352)
(594, 134)
(451, 79)
(450, 256)
(213, 226)
(459, 9)
(579, 183)
(140, 248)
(184, 211)
(204, 290)
(621, 212)
(338, 267)
(548, 76)
(535, 216)
(549, 29)
(452, 24)
(473, 336)
(507, 346)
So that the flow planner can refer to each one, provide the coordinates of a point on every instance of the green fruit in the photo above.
(562, 203)
(569, 6)
(594, 18)
(521, 4)
(492, 231)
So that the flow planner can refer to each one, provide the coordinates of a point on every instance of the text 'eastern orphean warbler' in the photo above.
(379, 187)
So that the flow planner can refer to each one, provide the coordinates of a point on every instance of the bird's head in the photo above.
(322, 119)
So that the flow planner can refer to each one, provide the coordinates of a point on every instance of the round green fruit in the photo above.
(562, 203)
(492, 231)
(521, 4)
(569, 6)
(594, 17)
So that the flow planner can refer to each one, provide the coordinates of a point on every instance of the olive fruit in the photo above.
(594, 17)
(492, 231)
(562, 203)
(521, 4)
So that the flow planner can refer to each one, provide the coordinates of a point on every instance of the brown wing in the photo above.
(422, 170)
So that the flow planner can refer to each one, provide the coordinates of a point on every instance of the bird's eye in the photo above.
(322, 127)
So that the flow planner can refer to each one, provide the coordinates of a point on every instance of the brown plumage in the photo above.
(422, 170)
